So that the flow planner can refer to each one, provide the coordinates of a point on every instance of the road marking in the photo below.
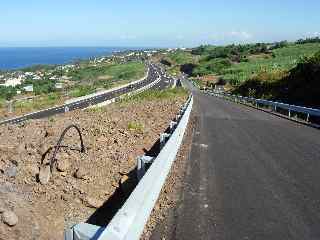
(203, 145)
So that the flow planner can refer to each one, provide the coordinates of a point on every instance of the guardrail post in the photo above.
(141, 165)
(173, 125)
(10, 106)
(163, 139)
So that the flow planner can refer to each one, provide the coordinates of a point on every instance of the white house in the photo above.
(59, 85)
(13, 82)
(28, 88)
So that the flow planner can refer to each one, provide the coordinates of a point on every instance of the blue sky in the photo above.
(154, 23)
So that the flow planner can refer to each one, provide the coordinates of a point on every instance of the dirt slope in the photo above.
(80, 182)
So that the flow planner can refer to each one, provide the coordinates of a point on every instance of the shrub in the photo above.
(7, 92)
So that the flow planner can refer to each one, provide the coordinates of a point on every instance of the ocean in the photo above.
(21, 57)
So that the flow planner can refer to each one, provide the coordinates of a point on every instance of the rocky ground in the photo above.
(37, 204)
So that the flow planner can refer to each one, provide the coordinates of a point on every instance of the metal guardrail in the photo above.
(275, 105)
(130, 220)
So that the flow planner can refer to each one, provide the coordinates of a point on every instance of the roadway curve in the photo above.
(249, 175)
(154, 72)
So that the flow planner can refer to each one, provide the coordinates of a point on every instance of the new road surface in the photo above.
(154, 73)
(249, 175)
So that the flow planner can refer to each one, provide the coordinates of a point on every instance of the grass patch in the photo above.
(90, 78)
(136, 127)
(283, 59)
(2, 103)
(299, 86)
(38, 103)
(106, 75)
(82, 90)
(150, 95)
(180, 57)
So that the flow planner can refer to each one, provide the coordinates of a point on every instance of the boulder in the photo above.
(9, 218)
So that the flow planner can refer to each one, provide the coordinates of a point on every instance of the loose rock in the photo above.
(63, 165)
(44, 174)
(81, 173)
(93, 202)
(11, 171)
(10, 218)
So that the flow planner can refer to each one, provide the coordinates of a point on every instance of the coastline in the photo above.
(19, 58)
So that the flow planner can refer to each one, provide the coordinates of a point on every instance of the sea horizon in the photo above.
(15, 58)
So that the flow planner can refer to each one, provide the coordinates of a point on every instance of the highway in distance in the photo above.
(154, 72)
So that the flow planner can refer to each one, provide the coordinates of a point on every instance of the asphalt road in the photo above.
(154, 72)
(249, 175)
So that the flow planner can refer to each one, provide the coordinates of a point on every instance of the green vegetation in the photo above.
(309, 40)
(7, 93)
(2, 103)
(136, 127)
(82, 90)
(238, 63)
(282, 59)
(108, 73)
(180, 57)
(150, 95)
(43, 86)
(299, 86)
(179, 61)
(38, 103)
(215, 65)
(90, 78)
(283, 71)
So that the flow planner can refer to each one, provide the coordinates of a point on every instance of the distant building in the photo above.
(28, 88)
(12, 82)
(59, 86)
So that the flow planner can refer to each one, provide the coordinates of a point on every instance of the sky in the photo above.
(155, 23)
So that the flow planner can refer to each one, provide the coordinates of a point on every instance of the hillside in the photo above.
(281, 71)
(300, 86)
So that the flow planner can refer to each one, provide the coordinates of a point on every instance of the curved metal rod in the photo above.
(58, 146)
